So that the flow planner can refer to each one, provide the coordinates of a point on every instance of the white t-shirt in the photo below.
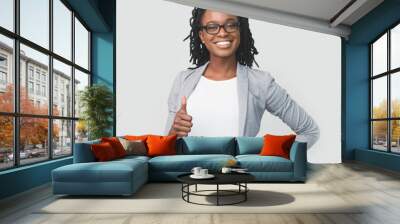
(214, 108)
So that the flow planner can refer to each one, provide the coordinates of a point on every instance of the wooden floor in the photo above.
(378, 188)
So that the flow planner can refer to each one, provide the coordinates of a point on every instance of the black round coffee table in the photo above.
(238, 179)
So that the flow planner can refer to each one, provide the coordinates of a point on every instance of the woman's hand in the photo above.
(183, 121)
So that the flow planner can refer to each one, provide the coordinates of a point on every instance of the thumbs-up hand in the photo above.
(183, 121)
(183, 105)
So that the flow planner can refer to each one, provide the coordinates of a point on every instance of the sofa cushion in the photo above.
(277, 145)
(134, 147)
(103, 152)
(195, 145)
(83, 152)
(185, 163)
(116, 145)
(142, 138)
(111, 171)
(161, 145)
(249, 145)
(133, 158)
(257, 163)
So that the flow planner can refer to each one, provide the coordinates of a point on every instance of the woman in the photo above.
(223, 95)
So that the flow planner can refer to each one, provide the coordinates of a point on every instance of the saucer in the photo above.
(208, 176)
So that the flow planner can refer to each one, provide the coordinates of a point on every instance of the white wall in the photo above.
(150, 52)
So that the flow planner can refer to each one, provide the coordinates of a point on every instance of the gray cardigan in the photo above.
(257, 92)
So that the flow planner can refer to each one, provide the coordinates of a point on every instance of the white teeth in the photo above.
(223, 43)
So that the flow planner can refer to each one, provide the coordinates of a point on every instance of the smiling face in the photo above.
(222, 44)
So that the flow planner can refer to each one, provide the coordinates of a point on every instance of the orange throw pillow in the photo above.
(134, 137)
(161, 145)
(103, 151)
(275, 145)
(116, 145)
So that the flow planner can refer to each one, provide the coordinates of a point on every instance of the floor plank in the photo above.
(377, 189)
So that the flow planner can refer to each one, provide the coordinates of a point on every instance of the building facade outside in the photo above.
(34, 100)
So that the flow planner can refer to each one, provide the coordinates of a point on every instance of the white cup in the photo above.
(226, 170)
(203, 172)
(196, 171)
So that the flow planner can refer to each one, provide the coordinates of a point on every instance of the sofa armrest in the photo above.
(298, 155)
(83, 152)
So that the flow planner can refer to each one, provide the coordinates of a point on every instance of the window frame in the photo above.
(388, 74)
(16, 115)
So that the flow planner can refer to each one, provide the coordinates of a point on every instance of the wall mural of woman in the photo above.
(223, 95)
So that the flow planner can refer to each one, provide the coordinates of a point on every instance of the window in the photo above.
(55, 101)
(3, 61)
(38, 89)
(33, 149)
(62, 75)
(35, 21)
(81, 45)
(30, 72)
(3, 78)
(44, 91)
(62, 29)
(6, 74)
(3, 72)
(385, 91)
(55, 127)
(30, 87)
(62, 137)
(6, 142)
(81, 81)
(43, 77)
(37, 74)
(395, 47)
(7, 14)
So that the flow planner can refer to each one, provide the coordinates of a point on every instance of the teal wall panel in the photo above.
(24, 178)
(102, 59)
(376, 158)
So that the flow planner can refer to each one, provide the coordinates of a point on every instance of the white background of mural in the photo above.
(150, 53)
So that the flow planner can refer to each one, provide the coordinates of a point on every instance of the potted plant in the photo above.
(96, 102)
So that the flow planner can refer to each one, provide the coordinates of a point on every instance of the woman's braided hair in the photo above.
(199, 54)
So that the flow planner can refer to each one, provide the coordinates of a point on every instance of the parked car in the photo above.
(22, 155)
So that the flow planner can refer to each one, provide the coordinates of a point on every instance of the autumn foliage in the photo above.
(380, 127)
(33, 131)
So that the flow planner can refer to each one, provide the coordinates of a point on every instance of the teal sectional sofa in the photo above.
(125, 176)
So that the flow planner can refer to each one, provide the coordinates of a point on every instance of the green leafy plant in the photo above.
(96, 102)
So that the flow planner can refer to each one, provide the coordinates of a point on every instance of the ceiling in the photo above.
(326, 16)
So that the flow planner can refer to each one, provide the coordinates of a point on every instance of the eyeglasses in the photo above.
(229, 27)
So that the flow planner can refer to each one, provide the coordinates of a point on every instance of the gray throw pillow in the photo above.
(136, 147)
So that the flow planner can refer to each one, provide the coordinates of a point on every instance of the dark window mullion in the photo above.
(371, 99)
(50, 87)
(386, 73)
(16, 83)
(73, 82)
(389, 106)
(84, 70)
(89, 59)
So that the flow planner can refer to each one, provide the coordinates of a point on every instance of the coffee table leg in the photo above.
(245, 193)
(196, 188)
(188, 189)
(217, 194)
